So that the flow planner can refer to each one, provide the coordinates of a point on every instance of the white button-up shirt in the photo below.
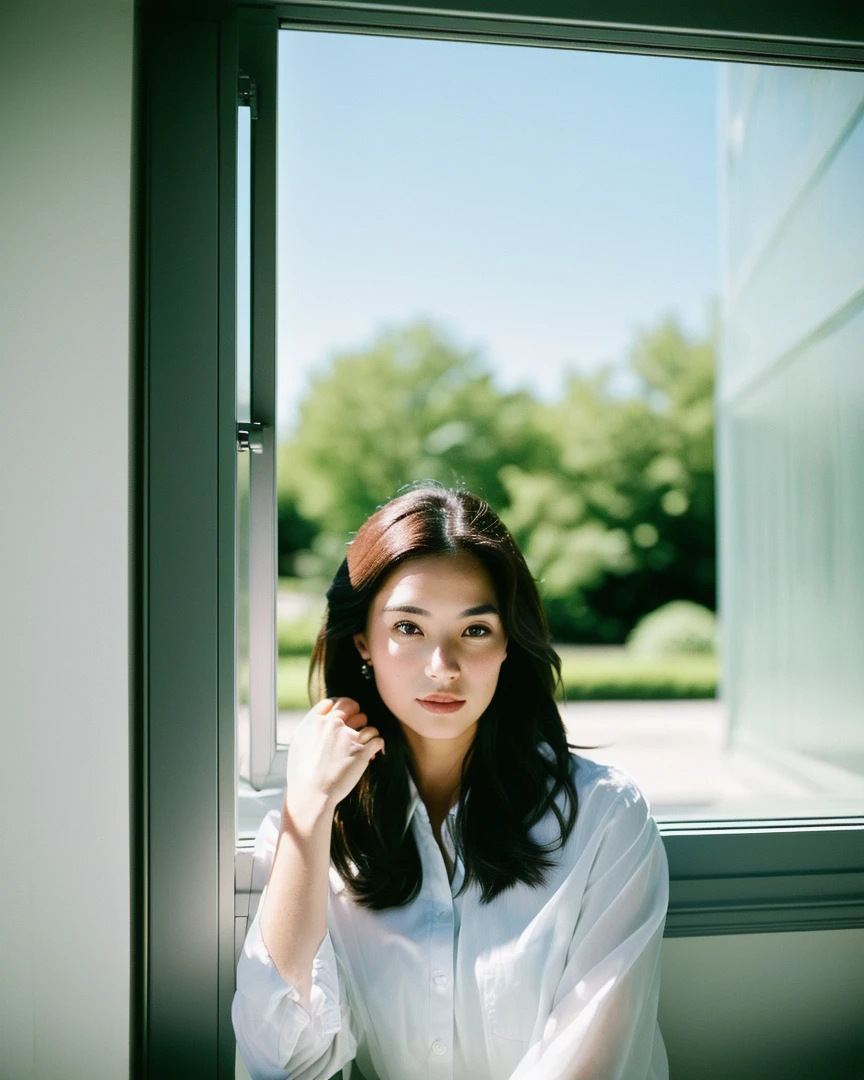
(558, 982)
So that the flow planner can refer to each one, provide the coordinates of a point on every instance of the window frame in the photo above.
(725, 877)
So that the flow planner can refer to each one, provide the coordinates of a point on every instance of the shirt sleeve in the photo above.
(277, 1038)
(603, 1021)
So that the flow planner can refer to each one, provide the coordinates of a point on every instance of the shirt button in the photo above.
(439, 1047)
(440, 978)
(442, 914)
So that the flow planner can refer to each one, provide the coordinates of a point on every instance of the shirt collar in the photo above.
(413, 801)
(416, 803)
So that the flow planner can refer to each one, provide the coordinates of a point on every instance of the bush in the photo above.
(675, 629)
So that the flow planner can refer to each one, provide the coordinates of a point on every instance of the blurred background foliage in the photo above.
(411, 407)
(624, 521)
(609, 493)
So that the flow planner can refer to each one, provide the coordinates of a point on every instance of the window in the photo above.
(727, 875)
(548, 214)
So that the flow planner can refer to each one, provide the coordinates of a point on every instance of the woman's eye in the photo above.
(477, 631)
(407, 628)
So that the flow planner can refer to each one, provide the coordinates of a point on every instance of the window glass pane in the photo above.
(243, 324)
(244, 262)
(553, 276)
(790, 405)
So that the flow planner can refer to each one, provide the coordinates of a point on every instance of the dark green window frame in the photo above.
(726, 877)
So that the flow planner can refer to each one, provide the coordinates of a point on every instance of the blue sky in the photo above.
(539, 204)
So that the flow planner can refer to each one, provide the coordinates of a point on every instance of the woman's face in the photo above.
(436, 643)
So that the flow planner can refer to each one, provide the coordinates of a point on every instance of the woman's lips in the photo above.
(444, 705)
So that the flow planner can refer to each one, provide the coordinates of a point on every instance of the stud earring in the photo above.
(366, 670)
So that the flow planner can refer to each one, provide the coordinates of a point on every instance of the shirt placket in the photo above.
(440, 967)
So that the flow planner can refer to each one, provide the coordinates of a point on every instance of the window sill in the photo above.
(758, 877)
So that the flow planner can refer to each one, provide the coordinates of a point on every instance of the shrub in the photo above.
(640, 679)
(677, 628)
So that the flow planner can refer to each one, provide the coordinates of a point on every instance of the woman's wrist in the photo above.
(304, 809)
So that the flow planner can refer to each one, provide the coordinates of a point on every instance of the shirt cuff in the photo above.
(259, 981)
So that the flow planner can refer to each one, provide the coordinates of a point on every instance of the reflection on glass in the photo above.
(790, 404)
(242, 676)
(522, 270)
(244, 263)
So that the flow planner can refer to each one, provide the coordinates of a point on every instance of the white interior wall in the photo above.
(751, 1006)
(65, 142)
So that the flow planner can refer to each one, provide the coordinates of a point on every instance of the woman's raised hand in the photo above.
(331, 747)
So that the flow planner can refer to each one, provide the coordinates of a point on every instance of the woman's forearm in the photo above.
(294, 912)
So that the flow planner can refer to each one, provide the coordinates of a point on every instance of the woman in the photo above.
(453, 893)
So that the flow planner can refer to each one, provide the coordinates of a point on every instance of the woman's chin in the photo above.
(438, 727)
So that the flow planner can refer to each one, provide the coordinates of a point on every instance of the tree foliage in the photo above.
(412, 407)
(611, 497)
(624, 522)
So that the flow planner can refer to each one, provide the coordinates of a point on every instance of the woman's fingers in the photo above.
(344, 705)
(336, 704)
(370, 738)
(325, 757)
(349, 712)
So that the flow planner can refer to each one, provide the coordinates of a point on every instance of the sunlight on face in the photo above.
(436, 643)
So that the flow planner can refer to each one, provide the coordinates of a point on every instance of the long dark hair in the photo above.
(509, 781)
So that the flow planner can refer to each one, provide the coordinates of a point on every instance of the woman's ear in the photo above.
(362, 646)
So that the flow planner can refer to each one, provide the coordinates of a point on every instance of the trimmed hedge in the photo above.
(623, 677)
(604, 675)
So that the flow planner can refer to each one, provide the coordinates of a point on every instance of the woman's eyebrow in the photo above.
(409, 609)
(481, 609)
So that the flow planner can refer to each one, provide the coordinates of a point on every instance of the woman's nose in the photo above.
(442, 664)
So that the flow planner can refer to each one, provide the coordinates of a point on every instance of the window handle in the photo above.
(250, 437)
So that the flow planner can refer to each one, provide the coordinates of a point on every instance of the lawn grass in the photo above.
(587, 674)
(291, 675)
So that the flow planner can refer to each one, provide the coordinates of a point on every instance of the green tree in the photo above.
(625, 520)
(611, 497)
(413, 406)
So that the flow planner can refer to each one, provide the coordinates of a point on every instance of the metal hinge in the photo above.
(249, 438)
(247, 94)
